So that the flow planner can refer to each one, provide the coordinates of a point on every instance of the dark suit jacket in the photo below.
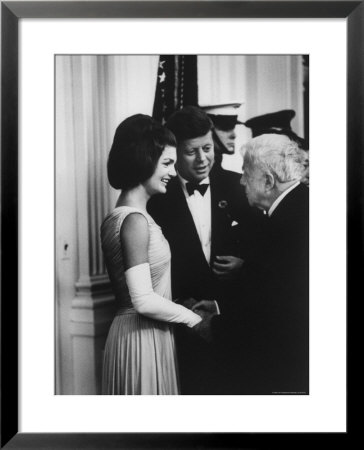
(191, 274)
(263, 333)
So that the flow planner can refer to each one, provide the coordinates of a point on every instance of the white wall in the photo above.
(264, 84)
(93, 95)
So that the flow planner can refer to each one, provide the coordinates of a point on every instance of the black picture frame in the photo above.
(11, 12)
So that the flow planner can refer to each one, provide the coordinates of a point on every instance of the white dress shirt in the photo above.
(200, 207)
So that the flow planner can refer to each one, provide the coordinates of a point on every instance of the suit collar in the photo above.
(281, 197)
(294, 202)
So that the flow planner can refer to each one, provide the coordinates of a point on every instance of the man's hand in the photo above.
(206, 309)
(203, 328)
(187, 302)
(205, 305)
(227, 267)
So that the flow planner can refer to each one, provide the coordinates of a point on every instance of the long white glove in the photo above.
(150, 304)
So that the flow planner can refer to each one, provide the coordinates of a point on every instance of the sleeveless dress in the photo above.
(140, 355)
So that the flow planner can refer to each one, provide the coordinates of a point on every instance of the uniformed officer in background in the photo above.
(224, 118)
(279, 122)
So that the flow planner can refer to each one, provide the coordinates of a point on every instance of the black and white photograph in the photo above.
(182, 224)
(181, 221)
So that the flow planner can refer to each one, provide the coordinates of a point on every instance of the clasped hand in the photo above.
(227, 267)
(206, 309)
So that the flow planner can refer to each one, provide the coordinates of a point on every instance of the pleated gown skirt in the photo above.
(140, 357)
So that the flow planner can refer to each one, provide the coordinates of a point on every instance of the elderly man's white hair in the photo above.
(276, 154)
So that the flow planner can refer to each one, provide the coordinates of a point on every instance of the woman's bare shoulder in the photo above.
(134, 237)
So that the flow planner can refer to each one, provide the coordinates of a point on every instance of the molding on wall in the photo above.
(92, 311)
(93, 308)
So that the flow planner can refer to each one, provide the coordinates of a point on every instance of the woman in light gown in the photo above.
(140, 355)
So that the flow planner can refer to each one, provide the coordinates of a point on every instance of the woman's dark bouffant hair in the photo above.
(138, 144)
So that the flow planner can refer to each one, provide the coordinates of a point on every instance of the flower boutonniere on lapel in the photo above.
(224, 207)
(223, 204)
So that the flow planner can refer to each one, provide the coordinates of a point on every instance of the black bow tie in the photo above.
(192, 187)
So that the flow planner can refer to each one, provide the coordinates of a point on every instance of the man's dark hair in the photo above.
(189, 122)
(138, 144)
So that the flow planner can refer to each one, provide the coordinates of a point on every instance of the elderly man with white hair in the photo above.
(264, 333)
(273, 167)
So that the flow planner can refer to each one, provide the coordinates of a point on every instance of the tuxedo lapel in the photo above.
(215, 195)
(220, 220)
(293, 206)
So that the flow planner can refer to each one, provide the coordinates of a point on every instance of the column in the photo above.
(93, 306)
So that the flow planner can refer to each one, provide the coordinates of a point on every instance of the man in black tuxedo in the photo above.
(263, 333)
(198, 215)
